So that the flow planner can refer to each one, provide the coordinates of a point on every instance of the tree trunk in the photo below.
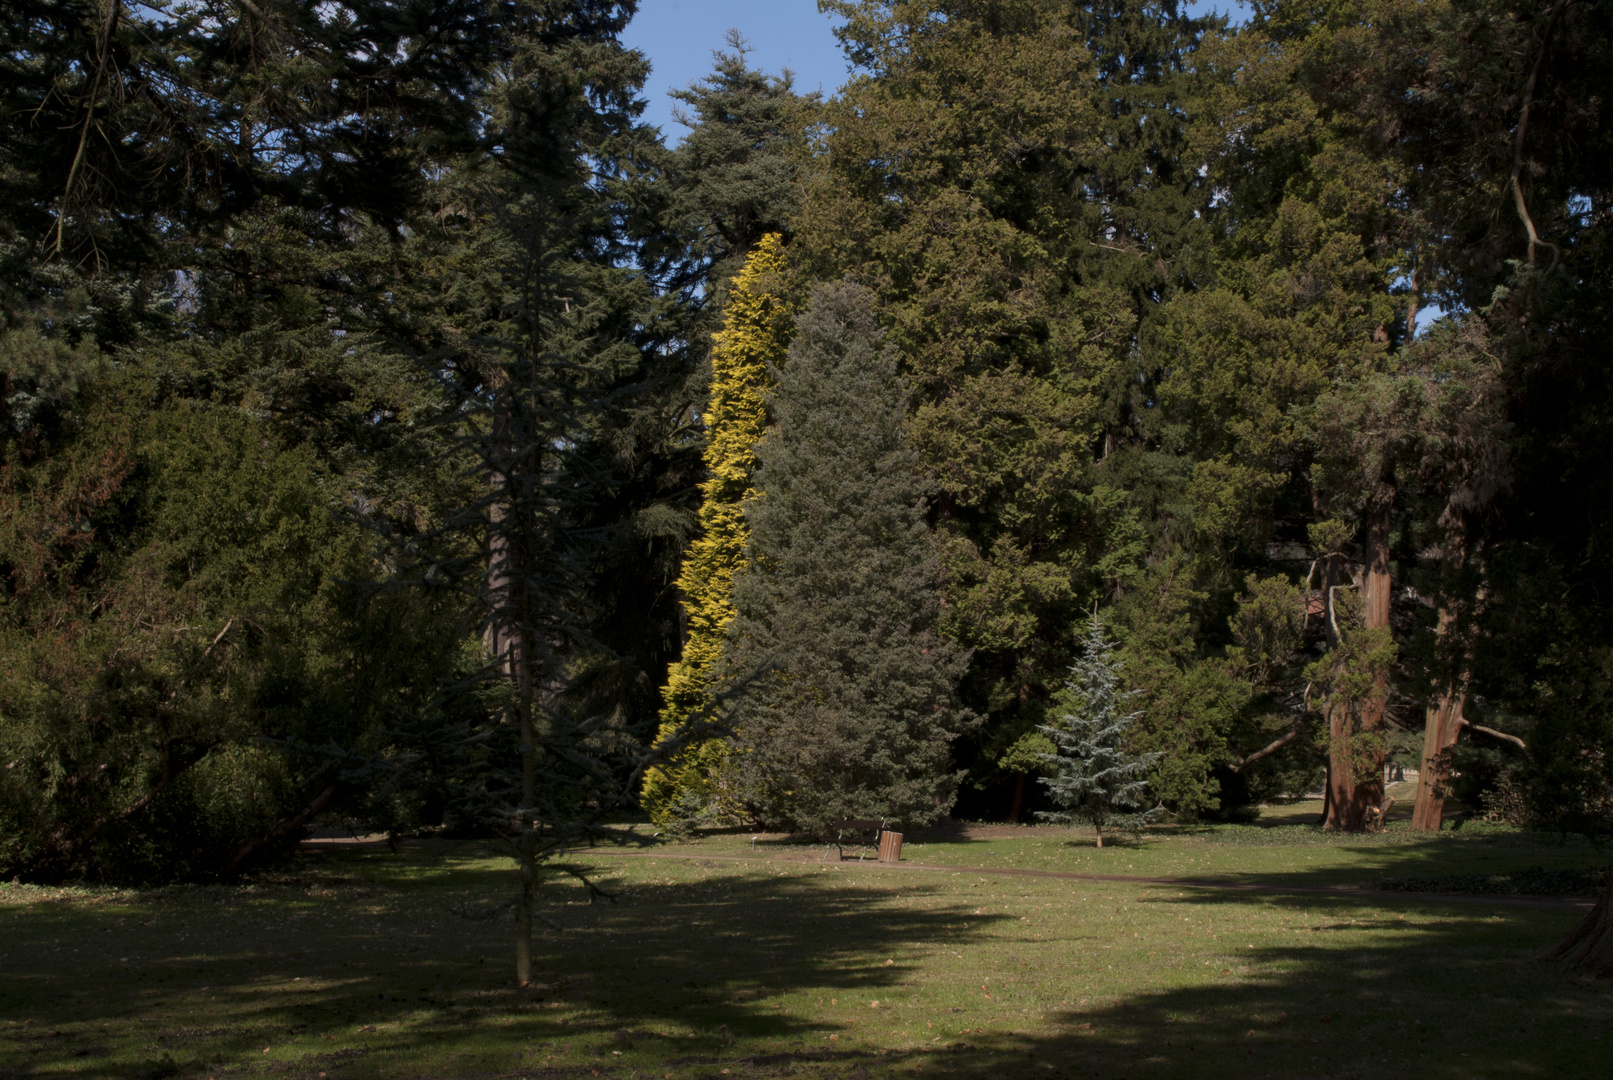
(1346, 804)
(1589, 948)
(1327, 791)
(1376, 589)
(284, 829)
(1341, 809)
(1441, 726)
(1098, 829)
(508, 626)
(1349, 795)
(1019, 798)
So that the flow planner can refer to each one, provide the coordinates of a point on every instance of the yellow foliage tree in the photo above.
(754, 334)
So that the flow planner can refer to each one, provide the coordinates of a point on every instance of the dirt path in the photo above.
(1211, 884)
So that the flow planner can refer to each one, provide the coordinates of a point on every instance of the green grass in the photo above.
(353, 963)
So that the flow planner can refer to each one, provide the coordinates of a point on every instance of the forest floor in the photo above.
(1266, 950)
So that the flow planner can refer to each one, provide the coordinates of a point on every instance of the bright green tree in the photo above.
(746, 353)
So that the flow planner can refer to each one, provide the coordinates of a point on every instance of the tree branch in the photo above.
(1268, 750)
(1494, 734)
(1523, 129)
(284, 829)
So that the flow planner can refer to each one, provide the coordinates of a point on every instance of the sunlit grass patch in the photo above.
(360, 963)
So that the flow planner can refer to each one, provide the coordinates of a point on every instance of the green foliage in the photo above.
(845, 690)
(735, 176)
(1028, 754)
(133, 136)
(1010, 180)
(178, 592)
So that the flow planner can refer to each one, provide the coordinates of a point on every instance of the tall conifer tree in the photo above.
(752, 341)
(849, 703)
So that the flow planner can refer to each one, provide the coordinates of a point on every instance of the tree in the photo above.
(535, 338)
(179, 599)
(1589, 947)
(744, 361)
(1019, 184)
(735, 177)
(1093, 777)
(850, 705)
(1026, 754)
(133, 136)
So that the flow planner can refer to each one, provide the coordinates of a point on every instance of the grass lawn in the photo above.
(729, 956)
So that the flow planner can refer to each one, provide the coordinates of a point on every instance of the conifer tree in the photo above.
(751, 343)
(735, 177)
(848, 703)
(1094, 779)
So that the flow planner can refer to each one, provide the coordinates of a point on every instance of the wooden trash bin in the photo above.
(890, 846)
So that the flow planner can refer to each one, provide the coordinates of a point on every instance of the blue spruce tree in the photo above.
(1094, 779)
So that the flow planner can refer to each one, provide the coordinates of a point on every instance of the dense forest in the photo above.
(398, 430)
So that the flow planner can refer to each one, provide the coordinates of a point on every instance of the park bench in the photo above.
(864, 833)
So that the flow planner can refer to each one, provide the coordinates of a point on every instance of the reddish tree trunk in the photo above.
(1350, 793)
(1441, 727)
(1347, 799)
(1019, 798)
(1375, 594)
(1590, 947)
(1339, 794)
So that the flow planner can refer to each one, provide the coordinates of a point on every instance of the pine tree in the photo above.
(845, 691)
(1095, 779)
(751, 343)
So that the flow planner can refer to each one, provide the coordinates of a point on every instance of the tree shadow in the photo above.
(1454, 991)
(407, 978)
(678, 970)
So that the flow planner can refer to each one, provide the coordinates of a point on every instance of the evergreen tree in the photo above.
(1094, 778)
(746, 354)
(846, 690)
(537, 380)
(1019, 184)
(734, 178)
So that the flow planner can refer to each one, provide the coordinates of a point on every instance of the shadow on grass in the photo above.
(707, 975)
(405, 978)
(1364, 990)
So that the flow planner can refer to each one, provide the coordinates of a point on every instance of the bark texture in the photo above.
(1343, 808)
(1441, 727)
(1590, 947)
(1376, 589)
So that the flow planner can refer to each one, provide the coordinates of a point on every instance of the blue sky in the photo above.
(679, 35)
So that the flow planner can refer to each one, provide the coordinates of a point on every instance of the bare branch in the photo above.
(1268, 750)
(1494, 734)
(1523, 129)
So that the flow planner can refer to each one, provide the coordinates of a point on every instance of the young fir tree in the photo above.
(848, 703)
(751, 342)
(1095, 780)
